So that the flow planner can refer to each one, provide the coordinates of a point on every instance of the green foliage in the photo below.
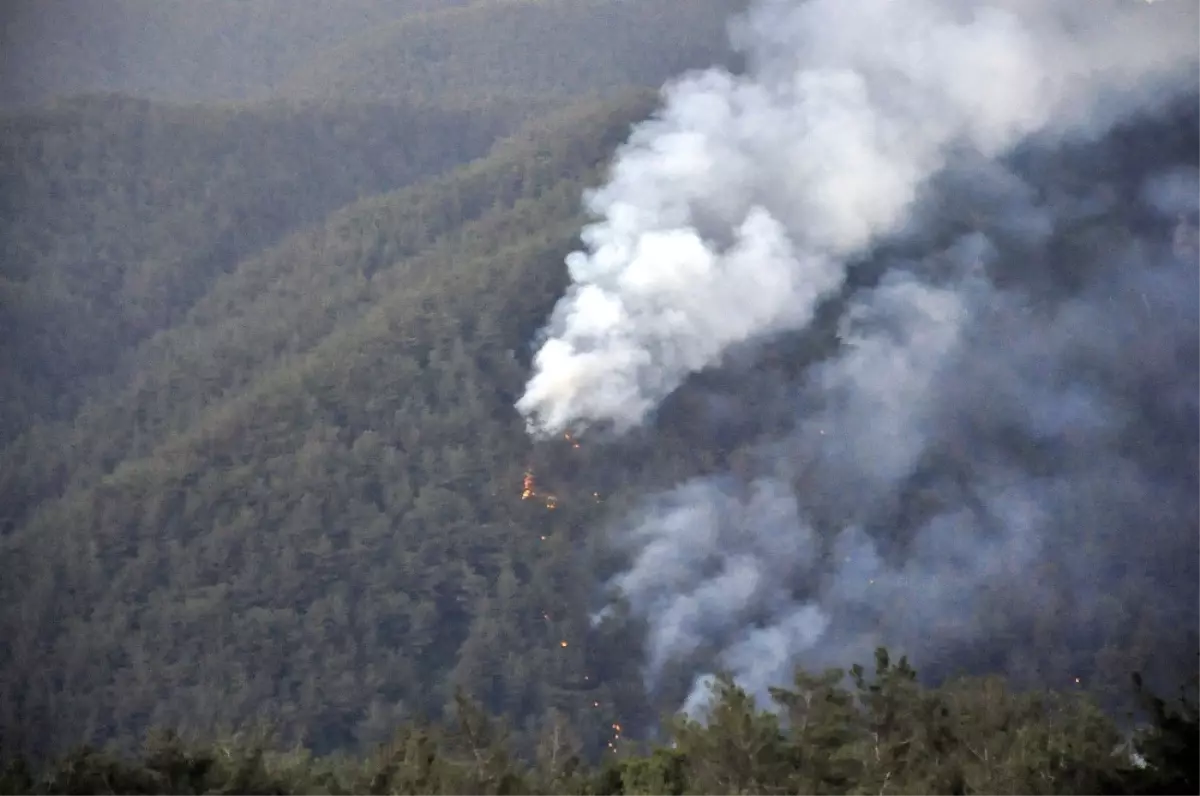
(259, 463)
(120, 214)
(340, 404)
(883, 734)
(664, 771)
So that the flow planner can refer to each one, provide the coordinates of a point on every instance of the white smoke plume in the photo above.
(710, 562)
(731, 214)
(999, 418)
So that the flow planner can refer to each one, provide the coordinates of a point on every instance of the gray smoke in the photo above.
(1008, 425)
(731, 214)
(1019, 429)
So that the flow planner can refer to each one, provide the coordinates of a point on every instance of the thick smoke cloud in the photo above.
(1034, 439)
(1001, 451)
(732, 214)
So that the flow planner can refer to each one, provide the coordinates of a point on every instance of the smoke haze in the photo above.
(732, 214)
(1007, 430)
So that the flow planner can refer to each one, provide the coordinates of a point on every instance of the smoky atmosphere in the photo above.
(600, 396)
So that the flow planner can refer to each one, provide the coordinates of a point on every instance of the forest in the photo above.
(272, 283)
(882, 731)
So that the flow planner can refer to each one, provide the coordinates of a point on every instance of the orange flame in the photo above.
(529, 489)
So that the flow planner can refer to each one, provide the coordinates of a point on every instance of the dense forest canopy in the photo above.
(880, 731)
(294, 499)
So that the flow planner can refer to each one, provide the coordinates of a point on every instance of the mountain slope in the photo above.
(524, 48)
(258, 366)
(176, 49)
(119, 213)
(306, 506)
(215, 559)
(354, 50)
(278, 305)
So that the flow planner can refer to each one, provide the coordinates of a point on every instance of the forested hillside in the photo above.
(260, 464)
(523, 48)
(359, 49)
(202, 296)
(306, 497)
(873, 731)
(120, 213)
(280, 402)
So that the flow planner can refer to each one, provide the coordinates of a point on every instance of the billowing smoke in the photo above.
(732, 214)
(969, 464)
(1001, 449)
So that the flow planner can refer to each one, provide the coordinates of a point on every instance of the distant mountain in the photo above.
(354, 49)
(177, 49)
(536, 48)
